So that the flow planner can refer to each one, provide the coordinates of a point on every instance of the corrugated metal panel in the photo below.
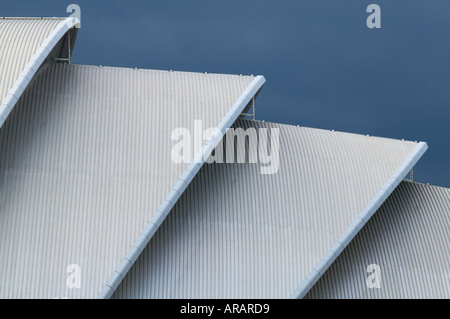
(24, 45)
(179, 187)
(368, 211)
(409, 238)
(85, 162)
(235, 233)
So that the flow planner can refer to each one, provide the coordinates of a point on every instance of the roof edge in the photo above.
(359, 222)
(180, 185)
(33, 65)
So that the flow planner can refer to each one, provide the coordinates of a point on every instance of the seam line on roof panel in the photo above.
(359, 221)
(180, 185)
(33, 65)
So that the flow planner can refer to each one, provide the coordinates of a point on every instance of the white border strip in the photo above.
(33, 65)
(359, 222)
(179, 188)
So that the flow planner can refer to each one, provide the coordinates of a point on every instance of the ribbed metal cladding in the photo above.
(235, 233)
(409, 238)
(19, 40)
(85, 161)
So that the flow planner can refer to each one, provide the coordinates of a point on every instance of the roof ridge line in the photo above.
(162, 70)
(326, 130)
(180, 185)
(370, 209)
(34, 18)
(33, 65)
(425, 184)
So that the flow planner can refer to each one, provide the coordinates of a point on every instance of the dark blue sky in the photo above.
(324, 67)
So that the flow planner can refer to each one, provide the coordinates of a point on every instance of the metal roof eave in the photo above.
(33, 65)
(179, 187)
(326, 261)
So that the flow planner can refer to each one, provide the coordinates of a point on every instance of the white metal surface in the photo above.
(85, 165)
(409, 238)
(360, 221)
(178, 188)
(235, 233)
(24, 45)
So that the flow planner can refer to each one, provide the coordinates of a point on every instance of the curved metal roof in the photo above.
(25, 44)
(86, 175)
(86, 178)
(408, 238)
(235, 233)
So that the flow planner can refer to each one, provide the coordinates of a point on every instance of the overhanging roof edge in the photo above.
(359, 222)
(179, 187)
(33, 65)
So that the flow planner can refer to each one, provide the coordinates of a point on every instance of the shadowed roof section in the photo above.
(236, 233)
(86, 175)
(25, 44)
(408, 238)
